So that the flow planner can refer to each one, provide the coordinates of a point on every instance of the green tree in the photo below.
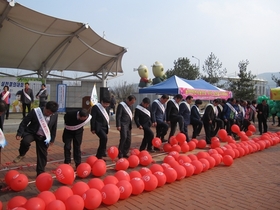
(213, 69)
(243, 87)
(183, 68)
(276, 80)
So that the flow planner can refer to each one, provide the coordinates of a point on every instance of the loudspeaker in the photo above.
(104, 93)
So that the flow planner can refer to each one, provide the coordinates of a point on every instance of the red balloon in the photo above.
(55, 205)
(110, 179)
(175, 154)
(171, 174)
(133, 161)
(138, 185)
(113, 152)
(75, 202)
(135, 152)
(181, 138)
(249, 133)
(165, 165)
(110, 194)
(44, 182)
(96, 183)
(173, 140)
(46, 196)
(185, 147)
(212, 161)
(65, 174)
(252, 128)
(161, 178)
(183, 159)
(91, 160)
(145, 158)
(19, 182)
(168, 158)
(134, 174)
(192, 157)
(176, 148)
(173, 163)
(212, 151)
(35, 203)
(202, 154)
(156, 142)
(150, 182)
(79, 188)
(228, 160)
(9, 176)
(167, 147)
(125, 189)
(83, 170)
(195, 140)
(92, 198)
(122, 164)
(63, 193)
(198, 167)
(181, 172)
(205, 164)
(99, 168)
(122, 175)
(222, 133)
(144, 170)
(189, 169)
(201, 144)
(235, 128)
(229, 152)
(156, 167)
(16, 201)
(237, 153)
(192, 145)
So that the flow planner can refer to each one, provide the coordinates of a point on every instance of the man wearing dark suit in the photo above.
(42, 95)
(172, 114)
(74, 127)
(158, 116)
(99, 125)
(185, 111)
(26, 98)
(196, 118)
(263, 112)
(142, 118)
(124, 125)
(30, 130)
(209, 116)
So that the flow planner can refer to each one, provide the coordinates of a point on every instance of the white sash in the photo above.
(195, 107)
(76, 127)
(5, 95)
(103, 111)
(232, 108)
(43, 124)
(26, 95)
(3, 141)
(175, 103)
(127, 109)
(221, 107)
(253, 108)
(214, 108)
(242, 110)
(146, 111)
(160, 105)
(187, 104)
(41, 92)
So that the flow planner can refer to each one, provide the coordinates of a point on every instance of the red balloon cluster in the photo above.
(16, 181)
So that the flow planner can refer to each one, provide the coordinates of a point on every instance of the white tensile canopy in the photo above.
(33, 41)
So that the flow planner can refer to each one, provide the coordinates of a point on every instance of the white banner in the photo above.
(61, 97)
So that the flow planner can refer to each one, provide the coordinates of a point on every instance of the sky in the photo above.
(164, 30)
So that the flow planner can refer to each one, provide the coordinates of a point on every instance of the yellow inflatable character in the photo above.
(158, 72)
(143, 73)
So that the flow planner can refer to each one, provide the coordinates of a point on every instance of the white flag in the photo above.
(93, 97)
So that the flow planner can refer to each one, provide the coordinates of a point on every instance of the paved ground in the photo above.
(252, 182)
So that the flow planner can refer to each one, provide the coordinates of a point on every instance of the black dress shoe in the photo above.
(125, 156)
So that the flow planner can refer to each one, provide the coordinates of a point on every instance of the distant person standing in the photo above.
(124, 125)
(158, 116)
(263, 112)
(185, 111)
(113, 104)
(99, 125)
(142, 118)
(26, 99)
(196, 118)
(5, 96)
(74, 127)
(209, 117)
(172, 115)
(42, 95)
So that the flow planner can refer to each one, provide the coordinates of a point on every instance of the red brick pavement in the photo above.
(252, 182)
